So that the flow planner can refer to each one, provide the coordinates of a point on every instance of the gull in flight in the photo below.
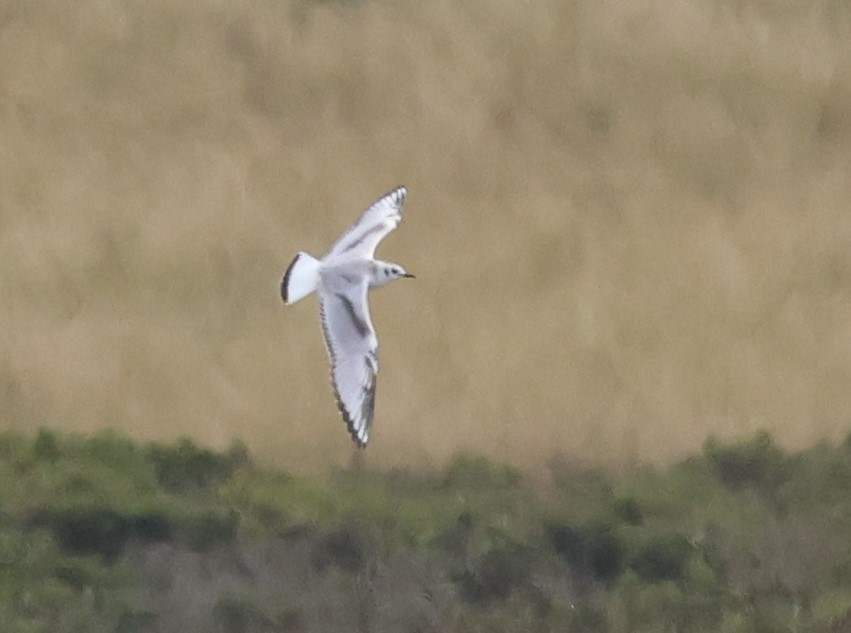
(341, 280)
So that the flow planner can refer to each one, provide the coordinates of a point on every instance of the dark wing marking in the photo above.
(352, 349)
(362, 237)
(360, 324)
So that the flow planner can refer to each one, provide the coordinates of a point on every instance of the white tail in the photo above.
(301, 278)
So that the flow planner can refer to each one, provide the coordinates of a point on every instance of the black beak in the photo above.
(409, 276)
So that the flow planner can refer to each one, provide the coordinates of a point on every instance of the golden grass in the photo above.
(629, 221)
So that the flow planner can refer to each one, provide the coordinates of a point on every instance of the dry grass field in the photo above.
(629, 221)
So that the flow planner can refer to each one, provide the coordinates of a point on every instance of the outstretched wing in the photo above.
(362, 238)
(352, 349)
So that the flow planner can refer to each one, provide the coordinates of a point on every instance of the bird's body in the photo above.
(341, 280)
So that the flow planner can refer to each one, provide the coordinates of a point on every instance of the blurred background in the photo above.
(629, 221)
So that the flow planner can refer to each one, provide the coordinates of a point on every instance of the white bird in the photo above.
(341, 280)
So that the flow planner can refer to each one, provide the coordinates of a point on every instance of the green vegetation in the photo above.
(103, 534)
(636, 212)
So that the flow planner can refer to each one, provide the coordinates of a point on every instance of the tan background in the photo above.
(629, 221)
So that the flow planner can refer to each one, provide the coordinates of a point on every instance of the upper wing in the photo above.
(352, 345)
(362, 238)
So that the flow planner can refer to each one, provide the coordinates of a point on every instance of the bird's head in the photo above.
(386, 272)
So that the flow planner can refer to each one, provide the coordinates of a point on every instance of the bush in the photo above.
(629, 511)
(344, 548)
(91, 531)
(46, 445)
(663, 557)
(208, 529)
(592, 550)
(822, 475)
(756, 462)
(100, 530)
(496, 573)
(152, 526)
(114, 449)
(188, 468)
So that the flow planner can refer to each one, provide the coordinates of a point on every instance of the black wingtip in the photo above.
(350, 425)
(353, 432)
(285, 280)
(398, 194)
(367, 411)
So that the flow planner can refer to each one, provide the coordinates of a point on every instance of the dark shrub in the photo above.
(628, 511)
(457, 537)
(821, 475)
(101, 530)
(151, 526)
(756, 462)
(569, 541)
(210, 529)
(344, 548)
(91, 531)
(46, 445)
(496, 574)
(592, 550)
(238, 455)
(188, 468)
(502, 569)
(663, 557)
